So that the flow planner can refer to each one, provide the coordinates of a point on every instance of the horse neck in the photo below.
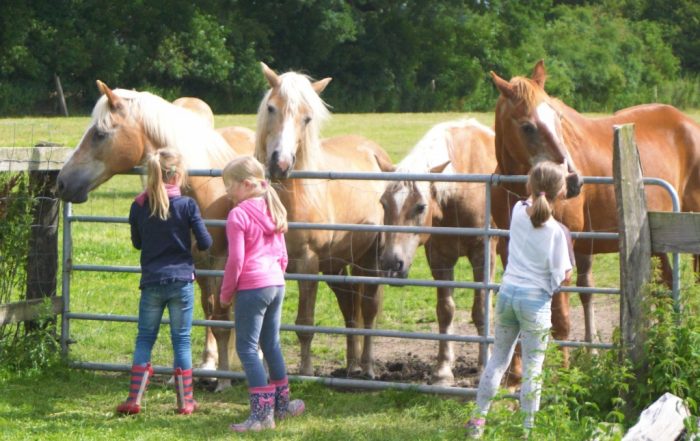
(303, 199)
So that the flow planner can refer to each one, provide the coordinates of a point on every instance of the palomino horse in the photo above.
(287, 138)
(464, 146)
(240, 139)
(197, 106)
(127, 126)
(531, 127)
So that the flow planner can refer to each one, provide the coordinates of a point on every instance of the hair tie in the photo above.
(542, 194)
(263, 183)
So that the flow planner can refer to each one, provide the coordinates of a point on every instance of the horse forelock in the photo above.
(296, 91)
(527, 92)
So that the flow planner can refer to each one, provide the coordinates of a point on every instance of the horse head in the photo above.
(407, 203)
(530, 128)
(288, 122)
(113, 143)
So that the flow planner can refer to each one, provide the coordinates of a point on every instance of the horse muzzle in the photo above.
(574, 182)
(280, 168)
(71, 192)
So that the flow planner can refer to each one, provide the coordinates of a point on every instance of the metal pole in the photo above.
(65, 283)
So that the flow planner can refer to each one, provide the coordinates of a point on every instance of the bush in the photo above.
(23, 349)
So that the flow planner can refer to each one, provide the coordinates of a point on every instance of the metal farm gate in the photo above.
(69, 266)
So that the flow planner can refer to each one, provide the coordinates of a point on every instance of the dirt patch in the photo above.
(413, 361)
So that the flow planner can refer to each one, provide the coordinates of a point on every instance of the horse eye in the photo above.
(420, 208)
(528, 128)
(270, 108)
(99, 135)
(307, 119)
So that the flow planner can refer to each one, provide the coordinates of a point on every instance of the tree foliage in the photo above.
(384, 55)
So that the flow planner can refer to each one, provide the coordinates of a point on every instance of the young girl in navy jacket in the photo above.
(162, 221)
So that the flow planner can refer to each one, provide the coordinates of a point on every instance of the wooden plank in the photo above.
(21, 159)
(675, 232)
(661, 421)
(27, 310)
(635, 240)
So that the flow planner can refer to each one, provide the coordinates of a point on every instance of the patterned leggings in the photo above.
(525, 312)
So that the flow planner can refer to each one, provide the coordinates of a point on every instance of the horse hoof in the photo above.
(222, 385)
(442, 380)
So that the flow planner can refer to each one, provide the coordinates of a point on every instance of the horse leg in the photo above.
(561, 322)
(225, 337)
(445, 310)
(306, 263)
(350, 303)
(372, 296)
(477, 259)
(210, 355)
(305, 316)
(584, 268)
(666, 270)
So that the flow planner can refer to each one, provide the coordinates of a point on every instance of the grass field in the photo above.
(80, 405)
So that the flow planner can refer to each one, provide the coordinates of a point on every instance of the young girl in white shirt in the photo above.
(538, 262)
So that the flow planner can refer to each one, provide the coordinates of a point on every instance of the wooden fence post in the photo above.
(42, 259)
(635, 241)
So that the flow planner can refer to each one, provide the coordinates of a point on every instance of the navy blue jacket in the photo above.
(166, 245)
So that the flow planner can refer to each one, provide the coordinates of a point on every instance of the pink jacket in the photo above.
(257, 254)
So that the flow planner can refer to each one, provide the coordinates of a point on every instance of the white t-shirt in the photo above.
(537, 257)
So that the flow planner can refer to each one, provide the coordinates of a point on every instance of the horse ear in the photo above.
(539, 74)
(111, 97)
(320, 85)
(384, 165)
(272, 78)
(503, 86)
(440, 168)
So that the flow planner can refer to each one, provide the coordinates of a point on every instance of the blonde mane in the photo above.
(434, 148)
(169, 126)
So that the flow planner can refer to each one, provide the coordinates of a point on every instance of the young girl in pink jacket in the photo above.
(254, 274)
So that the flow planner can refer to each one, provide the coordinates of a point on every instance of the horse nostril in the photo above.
(275, 157)
(398, 265)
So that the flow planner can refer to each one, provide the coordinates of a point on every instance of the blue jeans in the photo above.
(178, 297)
(258, 314)
(526, 312)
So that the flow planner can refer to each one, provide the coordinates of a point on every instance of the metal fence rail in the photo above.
(69, 266)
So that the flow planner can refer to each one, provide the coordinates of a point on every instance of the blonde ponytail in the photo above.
(277, 210)
(162, 166)
(546, 181)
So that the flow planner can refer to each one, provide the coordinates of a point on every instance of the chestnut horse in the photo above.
(531, 126)
(126, 127)
(287, 138)
(463, 146)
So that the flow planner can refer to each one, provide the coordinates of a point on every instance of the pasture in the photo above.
(80, 405)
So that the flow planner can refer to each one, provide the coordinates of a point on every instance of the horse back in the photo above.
(240, 139)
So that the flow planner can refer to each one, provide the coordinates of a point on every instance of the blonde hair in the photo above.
(162, 166)
(248, 168)
(545, 181)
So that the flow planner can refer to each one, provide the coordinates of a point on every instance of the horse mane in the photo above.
(295, 89)
(169, 126)
(433, 149)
